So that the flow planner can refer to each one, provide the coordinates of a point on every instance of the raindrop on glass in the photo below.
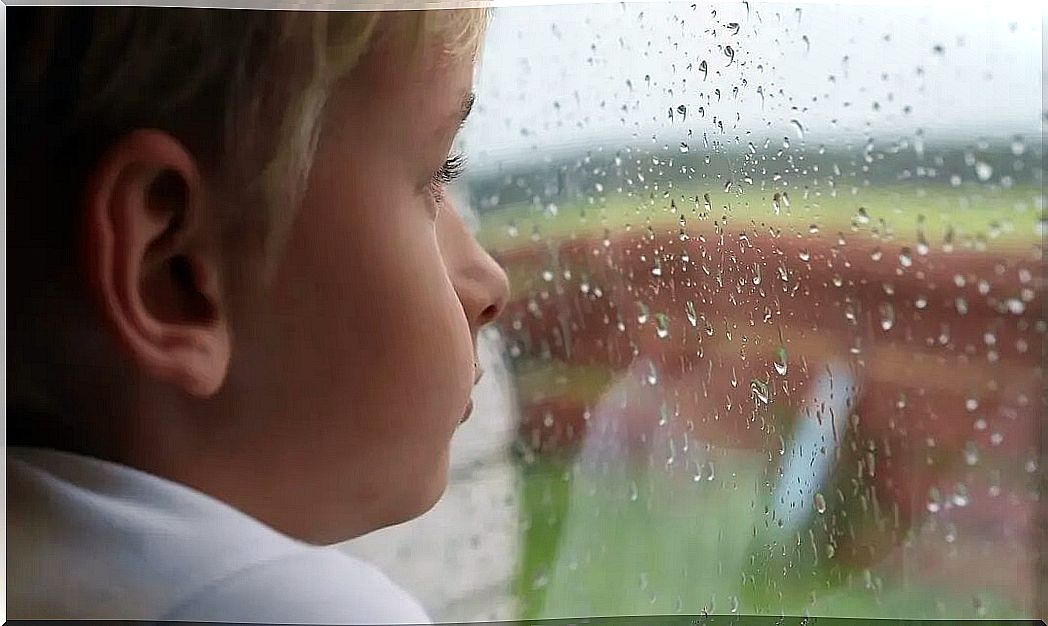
(905, 257)
(887, 312)
(781, 361)
(662, 325)
(689, 310)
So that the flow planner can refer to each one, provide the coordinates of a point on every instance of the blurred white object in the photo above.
(809, 457)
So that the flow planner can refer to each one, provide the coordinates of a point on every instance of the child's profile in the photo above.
(242, 308)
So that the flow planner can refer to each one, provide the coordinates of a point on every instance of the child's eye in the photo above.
(450, 170)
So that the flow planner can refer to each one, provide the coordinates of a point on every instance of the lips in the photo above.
(467, 412)
(478, 373)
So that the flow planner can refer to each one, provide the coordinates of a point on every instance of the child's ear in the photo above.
(152, 264)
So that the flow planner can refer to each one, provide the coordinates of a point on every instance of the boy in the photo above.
(242, 309)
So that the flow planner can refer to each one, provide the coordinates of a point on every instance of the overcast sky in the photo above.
(558, 76)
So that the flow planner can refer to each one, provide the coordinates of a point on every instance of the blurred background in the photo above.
(776, 337)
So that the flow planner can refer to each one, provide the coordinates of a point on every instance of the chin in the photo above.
(427, 491)
(414, 503)
(419, 497)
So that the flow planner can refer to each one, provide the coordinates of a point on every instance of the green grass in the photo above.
(634, 542)
(976, 215)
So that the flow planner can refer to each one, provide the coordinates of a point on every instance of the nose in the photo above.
(479, 281)
(484, 289)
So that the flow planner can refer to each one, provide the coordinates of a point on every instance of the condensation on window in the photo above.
(776, 331)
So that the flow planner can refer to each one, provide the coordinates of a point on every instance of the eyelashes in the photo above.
(450, 170)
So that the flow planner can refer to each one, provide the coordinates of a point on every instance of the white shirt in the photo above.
(92, 539)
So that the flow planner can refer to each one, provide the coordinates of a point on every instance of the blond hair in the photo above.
(243, 89)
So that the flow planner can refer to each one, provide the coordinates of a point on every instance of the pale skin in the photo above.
(321, 401)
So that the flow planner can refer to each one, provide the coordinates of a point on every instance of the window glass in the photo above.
(775, 338)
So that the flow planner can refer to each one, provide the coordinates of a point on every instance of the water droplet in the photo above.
(642, 316)
(983, 170)
(887, 312)
(971, 453)
(820, 503)
(653, 376)
(1015, 306)
(905, 257)
(934, 504)
(804, 255)
(922, 244)
(960, 495)
(689, 310)
(662, 325)
(799, 128)
(861, 216)
(781, 361)
(759, 389)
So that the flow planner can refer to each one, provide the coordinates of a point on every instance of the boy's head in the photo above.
(234, 264)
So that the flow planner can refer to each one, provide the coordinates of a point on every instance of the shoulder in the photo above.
(90, 539)
(314, 585)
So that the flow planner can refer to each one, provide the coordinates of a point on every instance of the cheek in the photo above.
(373, 336)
